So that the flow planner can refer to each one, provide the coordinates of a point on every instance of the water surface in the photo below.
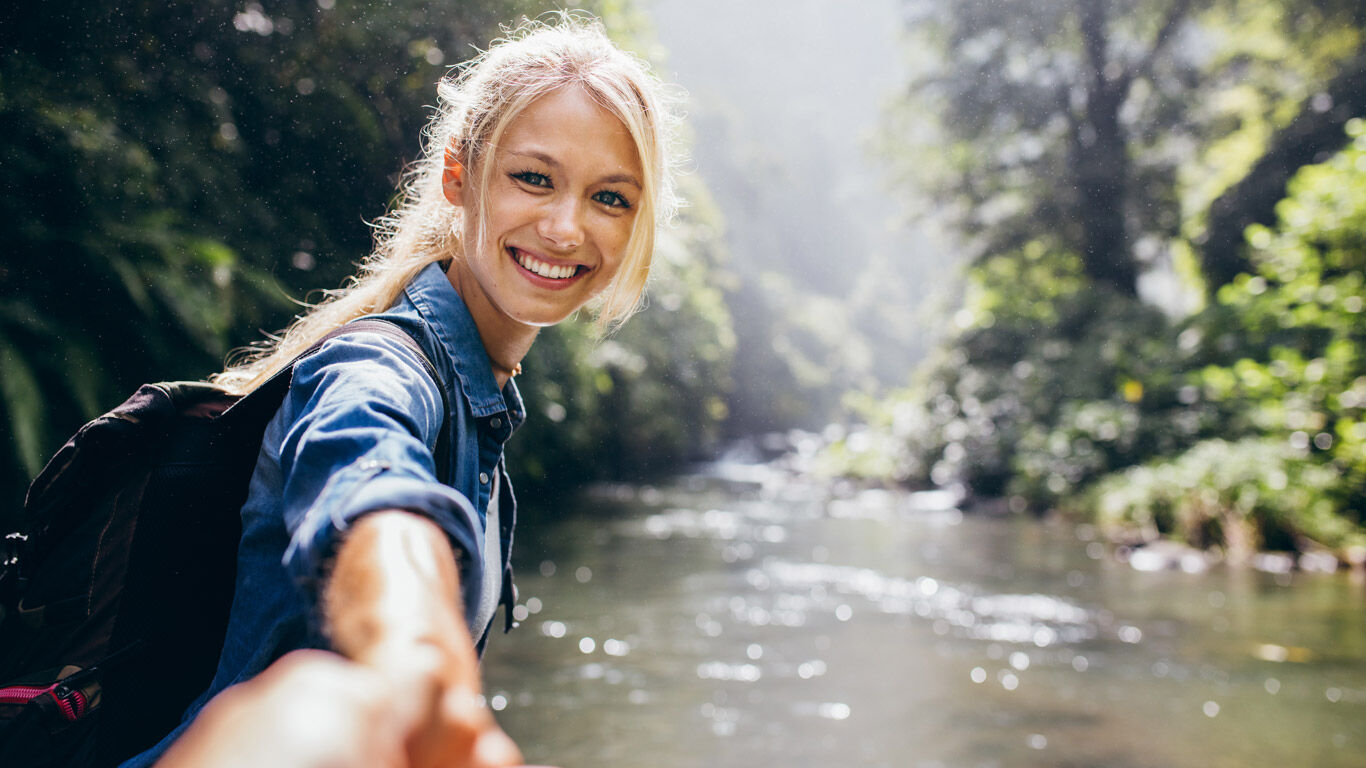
(756, 620)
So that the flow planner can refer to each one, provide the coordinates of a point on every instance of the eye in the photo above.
(532, 179)
(612, 199)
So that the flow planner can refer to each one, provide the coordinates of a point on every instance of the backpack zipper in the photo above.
(70, 701)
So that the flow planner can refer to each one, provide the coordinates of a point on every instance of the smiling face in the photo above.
(562, 194)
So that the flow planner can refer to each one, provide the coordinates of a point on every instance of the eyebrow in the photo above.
(616, 178)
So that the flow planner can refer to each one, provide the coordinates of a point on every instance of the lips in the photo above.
(546, 270)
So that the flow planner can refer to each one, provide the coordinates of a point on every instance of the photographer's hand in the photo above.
(309, 709)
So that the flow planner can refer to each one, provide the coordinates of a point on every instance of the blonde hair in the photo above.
(476, 104)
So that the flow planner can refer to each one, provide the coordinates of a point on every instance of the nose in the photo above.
(561, 225)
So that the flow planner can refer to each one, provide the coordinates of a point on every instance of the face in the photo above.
(565, 185)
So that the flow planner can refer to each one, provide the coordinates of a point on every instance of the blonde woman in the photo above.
(546, 171)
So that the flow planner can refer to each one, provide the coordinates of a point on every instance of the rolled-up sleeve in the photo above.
(364, 417)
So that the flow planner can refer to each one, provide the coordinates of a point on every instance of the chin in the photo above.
(544, 323)
(543, 318)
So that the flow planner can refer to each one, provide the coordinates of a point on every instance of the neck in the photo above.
(505, 341)
(502, 373)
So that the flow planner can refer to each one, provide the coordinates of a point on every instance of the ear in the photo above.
(453, 177)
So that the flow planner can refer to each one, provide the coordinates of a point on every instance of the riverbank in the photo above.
(1162, 535)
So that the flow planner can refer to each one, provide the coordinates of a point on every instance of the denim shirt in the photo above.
(356, 434)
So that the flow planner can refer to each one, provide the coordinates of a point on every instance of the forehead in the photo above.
(569, 126)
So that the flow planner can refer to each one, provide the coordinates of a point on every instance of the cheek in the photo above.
(618, 236)
(504, 213)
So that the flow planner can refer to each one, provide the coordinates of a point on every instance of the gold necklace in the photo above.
(512, 372)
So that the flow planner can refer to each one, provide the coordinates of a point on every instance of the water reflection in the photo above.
(745, 617)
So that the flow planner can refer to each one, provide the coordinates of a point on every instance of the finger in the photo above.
(448, 733)
(494, 749)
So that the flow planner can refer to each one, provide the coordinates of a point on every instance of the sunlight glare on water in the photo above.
(732, 622)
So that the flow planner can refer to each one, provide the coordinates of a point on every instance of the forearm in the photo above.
(395, 588)
(392, 603)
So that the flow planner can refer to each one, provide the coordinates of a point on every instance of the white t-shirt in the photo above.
(493, 564)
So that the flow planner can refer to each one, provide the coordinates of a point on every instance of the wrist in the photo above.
(394, 585)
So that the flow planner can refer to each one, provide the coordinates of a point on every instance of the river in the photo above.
(745, 617)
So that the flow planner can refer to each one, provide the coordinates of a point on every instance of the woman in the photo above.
(546, 171)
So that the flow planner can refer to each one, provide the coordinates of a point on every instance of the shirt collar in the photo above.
(446, 314)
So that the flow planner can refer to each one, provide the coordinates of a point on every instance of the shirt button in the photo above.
(483, 478)
(495, 422)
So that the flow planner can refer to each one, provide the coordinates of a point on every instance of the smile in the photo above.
(544, 269)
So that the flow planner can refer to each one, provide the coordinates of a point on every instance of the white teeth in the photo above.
(543, 269)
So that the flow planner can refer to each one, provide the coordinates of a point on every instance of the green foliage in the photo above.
(176, 172)
(1267, 59)
(1049, 383)
(1101, 128)
(1241, 426)
(1047, 128)
(1287, 345)
(1249, 494)
(19, 388)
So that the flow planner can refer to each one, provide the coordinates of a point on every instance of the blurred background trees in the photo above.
(1159, 200)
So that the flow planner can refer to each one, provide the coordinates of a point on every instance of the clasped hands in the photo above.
(404, 691)
(315, 709)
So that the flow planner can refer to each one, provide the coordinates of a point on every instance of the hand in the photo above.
(309, 708)
(449, 724)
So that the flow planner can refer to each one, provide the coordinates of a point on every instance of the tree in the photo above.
(1046, 108)
(1315, 132)
(1098, 147)
(1082, 123)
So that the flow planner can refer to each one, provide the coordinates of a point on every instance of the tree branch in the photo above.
(1175, 15)
(1253, 200)
(1092, 15)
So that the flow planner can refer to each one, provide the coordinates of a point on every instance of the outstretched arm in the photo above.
(392, 603)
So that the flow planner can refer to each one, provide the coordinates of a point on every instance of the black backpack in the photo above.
(114, 600)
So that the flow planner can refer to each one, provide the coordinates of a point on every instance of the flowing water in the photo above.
(746, 618)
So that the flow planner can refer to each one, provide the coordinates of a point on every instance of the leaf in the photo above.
(23, 403)
(84, 368)
(84, 376)
(133, 284)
